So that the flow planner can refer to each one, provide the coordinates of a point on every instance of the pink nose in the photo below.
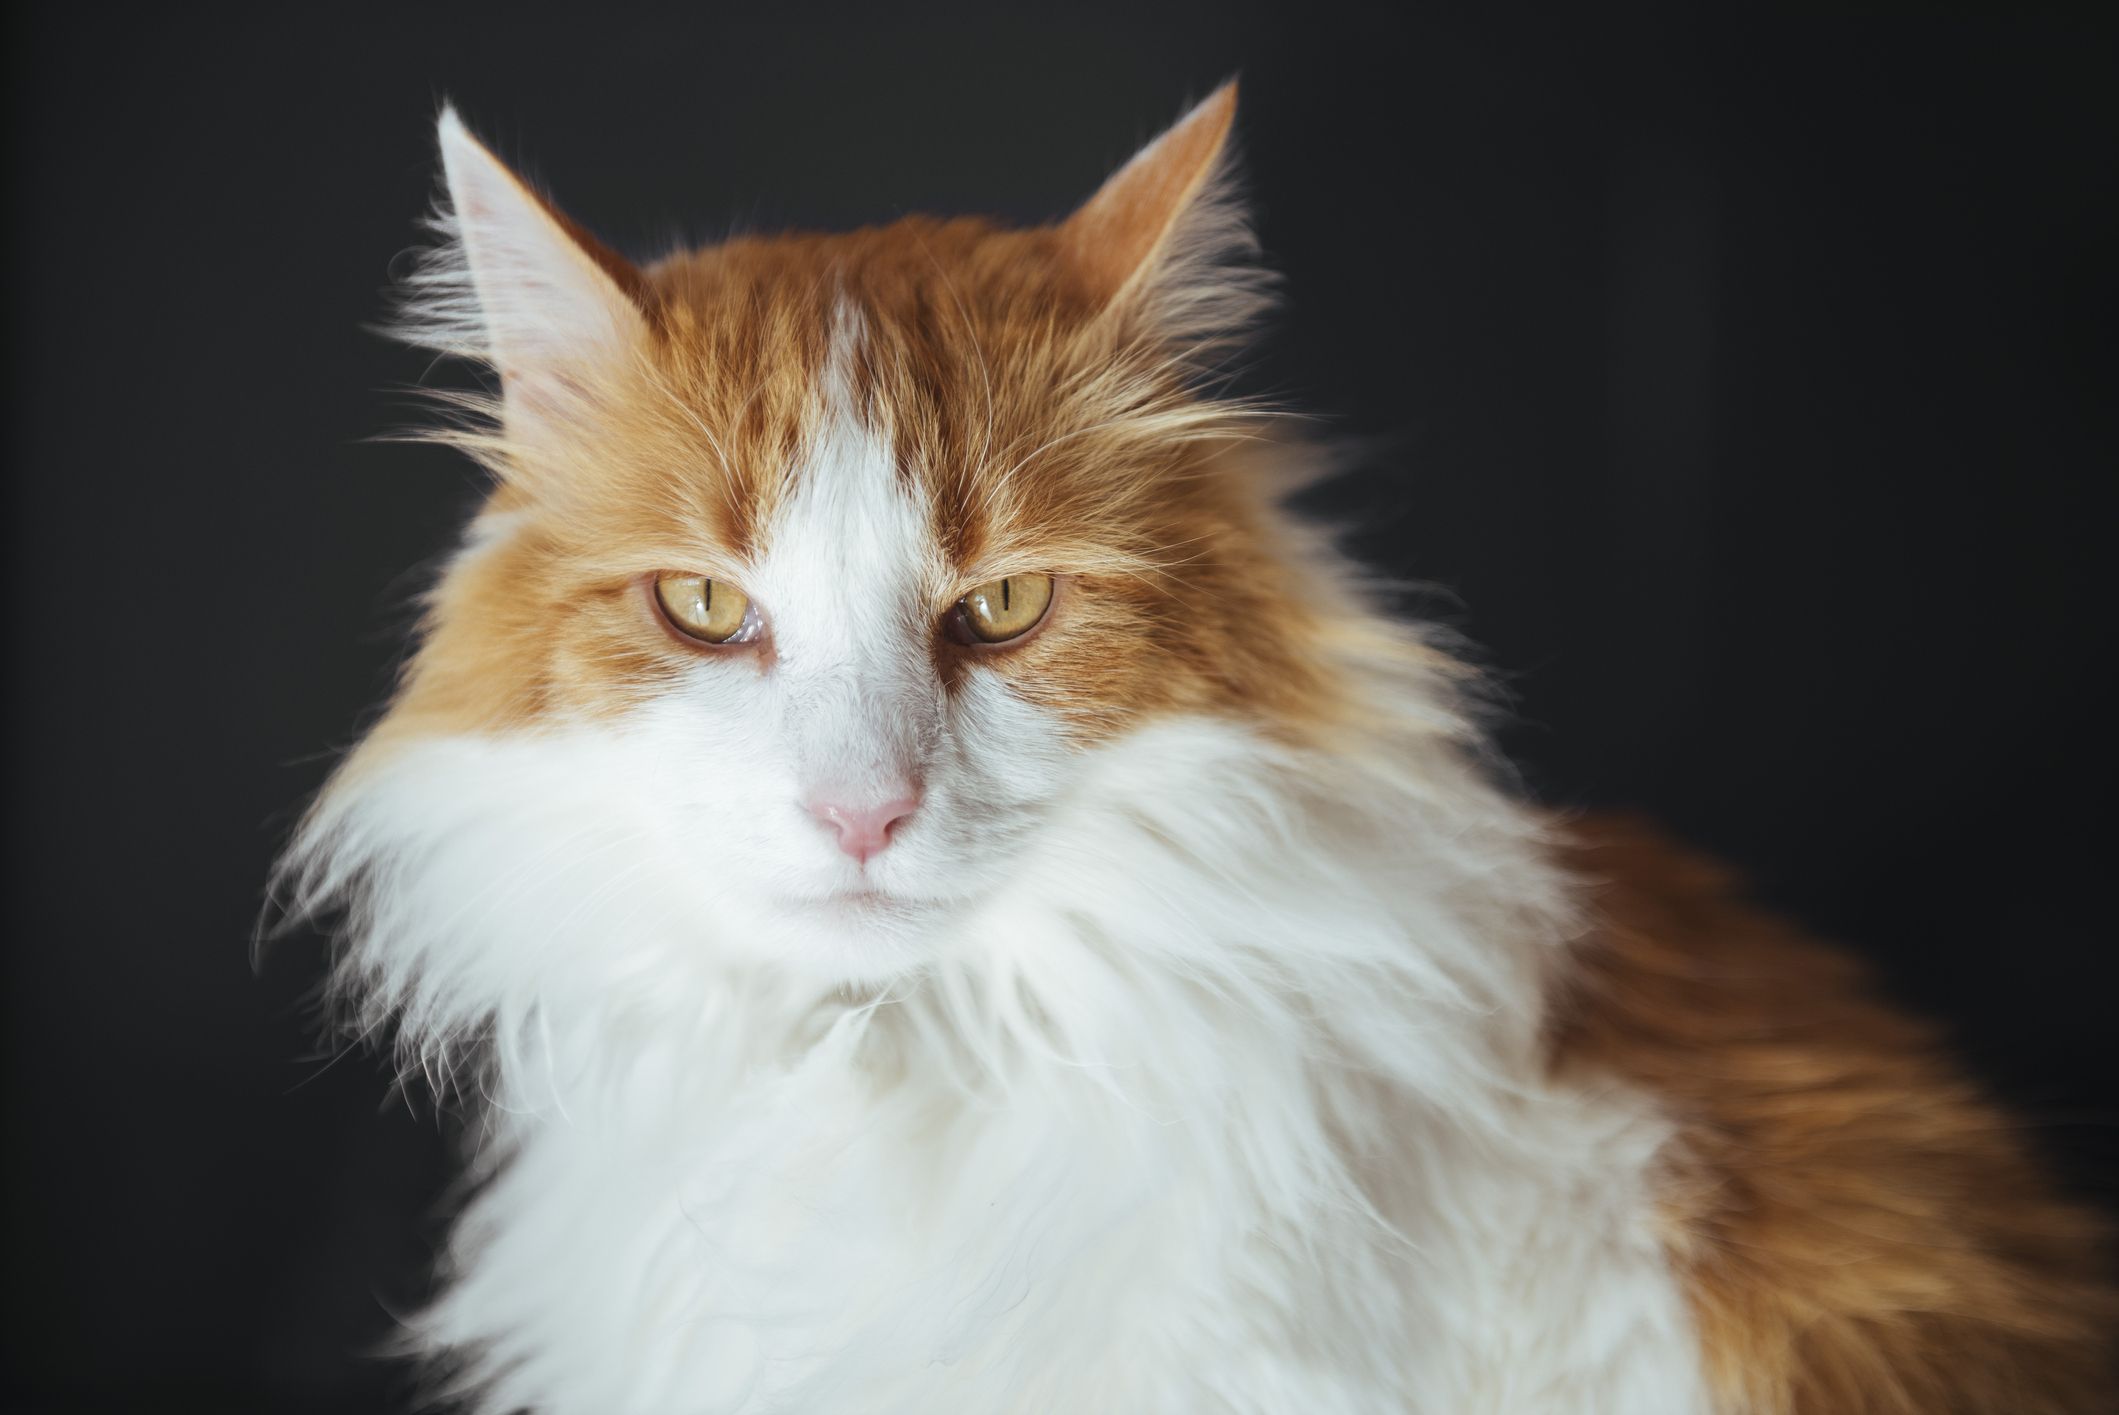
(864, 829)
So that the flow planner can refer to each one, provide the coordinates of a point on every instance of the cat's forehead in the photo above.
(933, 365)
(850, 549)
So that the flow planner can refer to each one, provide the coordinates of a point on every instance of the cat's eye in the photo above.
(1004, 609)
(709, 610)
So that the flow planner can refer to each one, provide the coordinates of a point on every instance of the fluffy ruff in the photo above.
(1234, 1101)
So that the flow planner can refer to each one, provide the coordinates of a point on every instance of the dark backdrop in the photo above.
(1744, 385)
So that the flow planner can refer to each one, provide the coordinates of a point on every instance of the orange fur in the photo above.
(1861, 1231)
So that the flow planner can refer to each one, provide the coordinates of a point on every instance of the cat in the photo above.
(934, 892)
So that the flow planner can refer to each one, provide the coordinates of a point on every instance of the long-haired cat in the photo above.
(936, 894)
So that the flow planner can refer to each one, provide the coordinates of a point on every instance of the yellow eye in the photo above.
(712, 611)
(1000, 610)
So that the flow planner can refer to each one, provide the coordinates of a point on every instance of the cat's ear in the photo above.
(517, 283)
(1167, 236)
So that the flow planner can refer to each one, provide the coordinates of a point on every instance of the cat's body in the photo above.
(1153, 1009)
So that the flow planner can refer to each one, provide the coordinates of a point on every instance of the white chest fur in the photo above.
(817, 1242)
(1230, 1102)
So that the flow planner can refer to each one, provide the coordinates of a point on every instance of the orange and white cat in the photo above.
(939, 895)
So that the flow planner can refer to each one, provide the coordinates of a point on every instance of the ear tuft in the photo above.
(1168, 235)
(511, 279)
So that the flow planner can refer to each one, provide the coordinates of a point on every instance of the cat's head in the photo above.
(834, 563)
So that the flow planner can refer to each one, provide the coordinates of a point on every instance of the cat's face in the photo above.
(851, 765)
(835, 561)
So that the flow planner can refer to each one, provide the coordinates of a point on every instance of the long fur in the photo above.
(1225, 1039)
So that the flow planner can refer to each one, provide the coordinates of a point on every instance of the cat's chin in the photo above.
(858, 936)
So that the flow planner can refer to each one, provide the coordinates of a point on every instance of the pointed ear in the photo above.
(516, 282)
(1167, 233)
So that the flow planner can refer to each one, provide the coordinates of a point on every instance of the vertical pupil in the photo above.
(706, 597)
(1004, 596)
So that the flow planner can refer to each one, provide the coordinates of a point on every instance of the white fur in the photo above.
(1206, 1075)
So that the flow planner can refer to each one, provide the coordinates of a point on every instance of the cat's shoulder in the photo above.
(1858, 1226)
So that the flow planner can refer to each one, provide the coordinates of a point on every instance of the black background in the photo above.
(1744, 382)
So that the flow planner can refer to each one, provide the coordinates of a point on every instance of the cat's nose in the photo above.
(864, 826)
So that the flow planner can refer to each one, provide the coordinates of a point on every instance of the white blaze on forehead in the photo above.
(845, 575)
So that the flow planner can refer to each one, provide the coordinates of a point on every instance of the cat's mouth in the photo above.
(867, 901)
